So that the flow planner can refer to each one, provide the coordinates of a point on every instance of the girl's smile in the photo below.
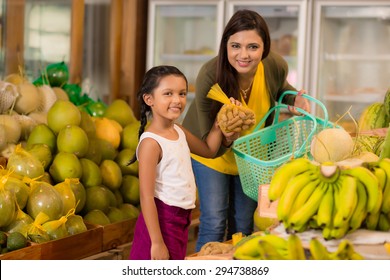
(169, 98)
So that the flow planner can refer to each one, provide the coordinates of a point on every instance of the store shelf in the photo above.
(187, 57)
(362, 12)
(201, 10)
(357, 57)
(360, 98)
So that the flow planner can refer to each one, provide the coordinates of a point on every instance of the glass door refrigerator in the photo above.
(185, 34)
(350, 64)
(287, 23)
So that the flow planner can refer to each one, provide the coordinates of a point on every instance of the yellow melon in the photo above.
(107, 130)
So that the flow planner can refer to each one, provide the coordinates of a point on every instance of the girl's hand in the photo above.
(159, 252)
(300, 102)
(229, 137)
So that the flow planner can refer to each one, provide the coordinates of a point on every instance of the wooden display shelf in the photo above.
(73, 247)
(117, 234)
(31, 252)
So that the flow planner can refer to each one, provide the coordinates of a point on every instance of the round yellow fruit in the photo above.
(97, 217)
(98, 198)
(120, 111)
(107, 149)
(42, 134)
(263, 223)
(61, 114)
(73, 139)
(65, 165)
(67, 195)
(129, 136)
(91, 175)
(123, 158)
(111, 174)
(107, 130)
(130, 189)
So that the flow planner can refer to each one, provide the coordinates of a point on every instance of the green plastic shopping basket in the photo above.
(261, 152)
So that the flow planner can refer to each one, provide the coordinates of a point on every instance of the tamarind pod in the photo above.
(235, 125)
(248, 122)
(245, 109)
(229, 114)
(235, 110)
(233, 120)
(224, 118)
(242, 114)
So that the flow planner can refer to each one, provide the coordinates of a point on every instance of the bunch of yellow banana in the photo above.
(270, 247)
(379, 219)
(345, 251)
(324, 196)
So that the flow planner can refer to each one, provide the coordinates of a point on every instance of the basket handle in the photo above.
(258, 126)
(316, 101)
(308, 115)
(283, 106)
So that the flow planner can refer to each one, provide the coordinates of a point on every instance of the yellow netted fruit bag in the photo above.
(231, 118)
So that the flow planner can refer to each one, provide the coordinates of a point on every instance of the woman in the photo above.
(246, 70)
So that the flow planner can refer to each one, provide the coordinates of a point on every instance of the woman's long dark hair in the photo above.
(226, 75)
(151, 81)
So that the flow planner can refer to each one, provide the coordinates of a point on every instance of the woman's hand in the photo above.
(300, 102)
(235, 101)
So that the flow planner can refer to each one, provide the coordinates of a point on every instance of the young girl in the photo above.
(167, 184)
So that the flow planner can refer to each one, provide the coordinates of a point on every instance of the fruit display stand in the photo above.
(73, 247)
(112, 241)
(368, 243)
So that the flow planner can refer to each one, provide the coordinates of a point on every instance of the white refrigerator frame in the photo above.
(219, 4)
(315, 41)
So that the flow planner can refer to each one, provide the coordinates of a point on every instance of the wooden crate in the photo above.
(122, 252)
(31, 252)
(116, 234)
(265, 207)
(74, 247)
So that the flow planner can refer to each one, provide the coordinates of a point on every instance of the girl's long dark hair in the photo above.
(151, 81)
(226, 75)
